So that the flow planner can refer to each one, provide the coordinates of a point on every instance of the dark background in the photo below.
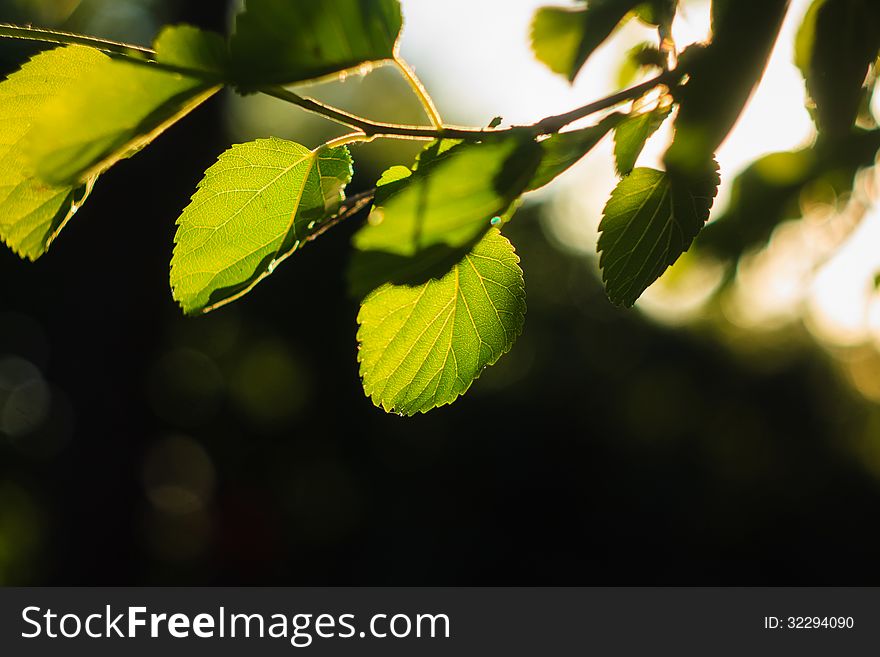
(239, 448)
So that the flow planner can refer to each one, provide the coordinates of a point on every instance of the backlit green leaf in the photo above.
(562, 150)
(31, 211)
(631, 136)
(836, 43)
(422, 346)
(253, 208)
(190, 47)
(563, 38)
(447, 200)
(110, 115)
(433, 150)
(425, 223)
(639, 58)
(284, 41)
(649, 221)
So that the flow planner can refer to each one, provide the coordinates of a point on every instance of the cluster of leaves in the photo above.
(836, 49)
(442, 294)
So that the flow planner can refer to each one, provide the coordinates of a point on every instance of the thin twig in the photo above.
(373, 128)
(419, 90)
(549, 125)
(344, 140)
(351, 207)
(67, 38)
(553, 124)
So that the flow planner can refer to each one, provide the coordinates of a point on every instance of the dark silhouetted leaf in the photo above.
(658, 12)
(836, 44)
(649, 221)
(722, 77)
(769, 191)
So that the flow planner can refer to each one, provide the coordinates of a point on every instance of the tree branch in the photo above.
(374, 128)
(548, 125)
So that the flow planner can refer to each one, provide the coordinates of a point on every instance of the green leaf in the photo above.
(425, 223)
(191, 47)
(117, 110)
(650, 220)
(639, 58)
(721, 78)
(563, 38)
(435, 150)
(253, 208)
(422, 346)
(282, 42)
(836, 44)
(563, 150)
(449, 199)
(774, 188)
(32, 212)
(632, 135)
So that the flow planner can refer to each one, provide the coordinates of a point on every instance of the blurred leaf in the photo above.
(649, 221)
(631, 136)
(253, 208)
(563, 38)
(563, 150)
(835, 46)
(768, 191)
(638, 58)
(721, 78)
(32, 212)
(425, 224)
(282, 42)
(658, 12)
(117, 110)
(190, 47)
(422, 346)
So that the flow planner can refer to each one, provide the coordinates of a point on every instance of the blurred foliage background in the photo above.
(685, 442)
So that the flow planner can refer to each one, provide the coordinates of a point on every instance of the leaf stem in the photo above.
(351, 138)
(419, 90)
(351, 206)
(373, 128)
(69, 39)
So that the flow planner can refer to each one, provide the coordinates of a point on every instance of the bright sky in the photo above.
(475, 56)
